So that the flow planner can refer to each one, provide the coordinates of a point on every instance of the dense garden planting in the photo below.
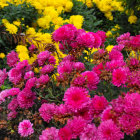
(70, 69)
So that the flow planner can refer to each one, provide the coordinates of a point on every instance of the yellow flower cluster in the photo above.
(11, 28)
(107, 6)
(89, 3)
(2, 55)
(23, 53)
(110, 33)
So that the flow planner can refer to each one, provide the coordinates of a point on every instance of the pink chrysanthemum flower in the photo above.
(3, 76)
(114, 64)
(76, 125)
(132, 103)
(26, 98)
(98, 68)
(98, 40)
(14, 91)
(4, 94)
(32, 47)
(99, 103)
(135, 42)
(47, 111)
(86, 39)
(47, 69)
(119, 76)
(12, 59)
(49, 134)
(92, 79)
(115, 55)
(23, 66)
(25, 128)
(109, 131)
(129, 123)
(89, 132)
(52, 60)
(65, 133)
(68, 58)
(12, 115)
(30, 83)
(61, 109)
(76, 98)
(118, 47)
(28, 75)
(79, 81)
(64, 33)
(108, 114)
(79, 66)
(42, 57)
(103, 36)
(65, 67)
(15, 75)
(42, 80)
(13, 105)
(123, 39)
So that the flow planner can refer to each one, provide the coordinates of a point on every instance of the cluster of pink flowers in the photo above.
(132, 42)
(3, 76)
(71, 38)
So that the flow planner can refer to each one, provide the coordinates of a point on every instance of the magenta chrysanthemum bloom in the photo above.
(65, 133)
(64, 33)
(109, 131)
(14, 91)
(132, 103)
(30, 83)
(25, 128)
(108, 114)
(61, 109)
(42, 57)
(12, 115)
(68, 58)
(114, 64)
(3, 76)
(79, 66)
(115, 55)
(49, 134)
(65, 67)
(42, 80)
(86, 40)
(32, 47)
(47, 111)
(98, 40)
(4, 94)
(12, 59)
(92, 79)
(15, 75)
(103, 36)
(123, 39)
(118, 47)
(76, 125)
(23, 66)
(47, 69)
(13, 105)
(90, 132)
(129, 123)
(76, 98)
(99, 103)
(52, 60)
(98, 68)
(28, 75)
(119, 76)
(79, 81)
(135, 42)
(26, 98)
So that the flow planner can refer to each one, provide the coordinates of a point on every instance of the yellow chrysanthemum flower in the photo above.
(109, 48)
(12, 29)
(132, 19)
(2, 55)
